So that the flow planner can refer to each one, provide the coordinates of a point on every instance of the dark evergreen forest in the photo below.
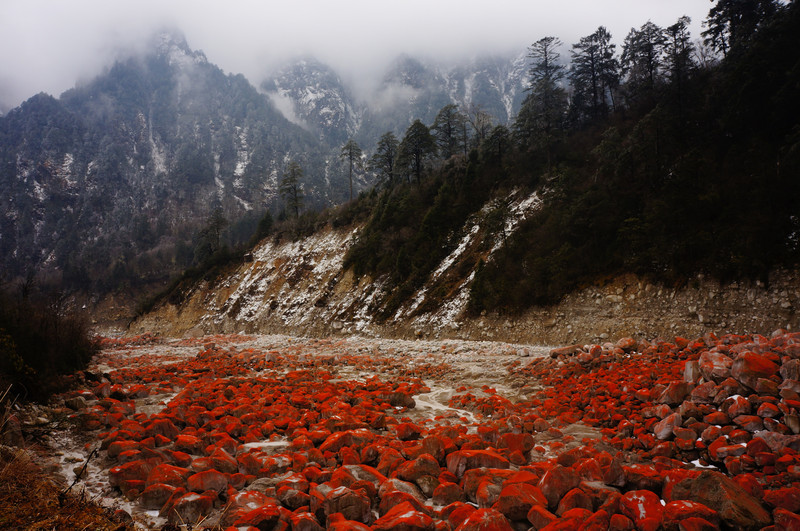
(667, 158)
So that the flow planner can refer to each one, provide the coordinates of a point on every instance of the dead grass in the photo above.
(30, 500)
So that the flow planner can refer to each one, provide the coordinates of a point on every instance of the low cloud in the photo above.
(47, 45)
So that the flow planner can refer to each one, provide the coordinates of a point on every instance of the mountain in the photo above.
(313, 95)
(110, 184)
(112, 181)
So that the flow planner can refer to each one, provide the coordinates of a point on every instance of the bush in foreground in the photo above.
(40, 343)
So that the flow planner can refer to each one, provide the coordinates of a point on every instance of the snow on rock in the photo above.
(301, 286)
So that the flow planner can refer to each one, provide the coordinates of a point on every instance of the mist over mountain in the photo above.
(314, 95)
(109, 186)
(110, 182)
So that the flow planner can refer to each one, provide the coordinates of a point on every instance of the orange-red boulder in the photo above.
(485, 520)
(516, 500)
(462, 460)
(404, 517)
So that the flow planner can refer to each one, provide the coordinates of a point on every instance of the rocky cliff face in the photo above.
(111, 181)
(314, 96)
(300, 287)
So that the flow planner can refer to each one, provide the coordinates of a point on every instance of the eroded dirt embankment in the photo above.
(626, 306)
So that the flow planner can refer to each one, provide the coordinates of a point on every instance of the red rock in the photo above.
(615, 474)
(568, 350)
(600, 520)
(704, 393)
(190, 507)
(456, 513)
(438, 447)
(572, 499)
(304, 521)
(404, 517)
(516, 500)
(675, 393)
(733, 450)
(164, 427)
(639, 505)
(556, 482)
(748, 367)
(223, 461)
(717, 418)
(572, 519)
(540, 517)
(118, 447)
(337, 522)
(462, 460)
(134, 470)
(353, 505)
(181, 459)
(785, 498)
(487, 493)
(676, 512)
(739, 436)
(269, 516)
(643, 477)
(590, 470)
(189, 444)
(628, 344)
(407, 431)
(751, 423)
(767, 410)
(358, 438)
(736, 507)
(715, 365)
(522, 442)
(395, 484)
(291, 498)
(169, 475)
(620, 522)
(697, 524)
(447, 493)
(424, 465)
(750, 484)
(208, 480)
(786, 520)
(485, 520)
(155, 496)
(664, 429)
(735, 406)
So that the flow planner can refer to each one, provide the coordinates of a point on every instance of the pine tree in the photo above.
(384, 160)
(643, 59)
(210, 236)
(416, 147)
(291, 189)
(541, 117)
(351, 152)
(594, 74)
(732, 23)
(447, 130)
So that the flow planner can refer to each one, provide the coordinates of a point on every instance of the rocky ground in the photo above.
(276, 432)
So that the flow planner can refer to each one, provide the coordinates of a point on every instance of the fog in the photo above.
(49, 45)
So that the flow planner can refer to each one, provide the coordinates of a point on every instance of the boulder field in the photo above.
(332, 434)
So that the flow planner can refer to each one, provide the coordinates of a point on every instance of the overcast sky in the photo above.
(47, 45)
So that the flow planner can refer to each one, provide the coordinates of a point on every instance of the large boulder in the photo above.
(749, 367)
(462, 460)
(715, 366)
(736, 507)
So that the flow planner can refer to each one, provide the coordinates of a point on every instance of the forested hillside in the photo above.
(666, 158)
